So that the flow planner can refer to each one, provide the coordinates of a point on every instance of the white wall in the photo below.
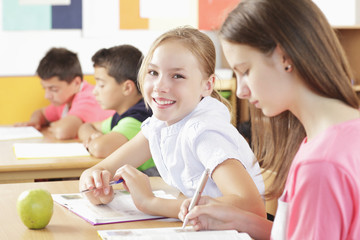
(340, 12)
(20, 52)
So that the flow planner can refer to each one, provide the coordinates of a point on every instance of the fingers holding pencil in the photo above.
(96, 184)
(184, 209)
(197, 195)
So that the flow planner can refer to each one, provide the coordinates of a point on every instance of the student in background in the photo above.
(290, 65)
(189, 131)
(72, 102)
(115, 71)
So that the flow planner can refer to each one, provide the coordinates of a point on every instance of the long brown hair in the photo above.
(302, 31)
(198, 43)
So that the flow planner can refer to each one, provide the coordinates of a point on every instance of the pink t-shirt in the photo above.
(321, 199)
(84, 106)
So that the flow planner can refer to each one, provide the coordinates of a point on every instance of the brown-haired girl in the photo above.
(306, 127)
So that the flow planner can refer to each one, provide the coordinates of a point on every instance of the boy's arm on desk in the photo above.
(100, 145)
(88, 129)
(37, 120)
(66, 128)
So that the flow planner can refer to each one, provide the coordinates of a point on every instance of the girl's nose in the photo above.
(160, 84)
(242, 90)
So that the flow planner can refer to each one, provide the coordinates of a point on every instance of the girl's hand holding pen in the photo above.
(212, 214)
(138, 184)
(98, 182)
(110, 184)
(184, 209)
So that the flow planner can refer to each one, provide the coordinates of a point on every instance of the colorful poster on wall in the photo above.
(167, 14)
(130, 15)
(51, 2)
(18, 17)
(41, 14)
(67, 17)
(127, 14)
(213, 12)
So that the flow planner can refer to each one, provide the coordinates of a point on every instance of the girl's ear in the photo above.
(284, 58)
(209, 86)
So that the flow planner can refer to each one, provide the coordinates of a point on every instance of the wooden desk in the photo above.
(24, 170)
(64, 224)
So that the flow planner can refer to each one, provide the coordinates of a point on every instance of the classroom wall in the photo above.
(17, 106)
(22, 46)
(340, 13)
(27, 32)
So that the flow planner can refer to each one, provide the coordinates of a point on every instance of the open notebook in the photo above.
(49, 150)
(171, 234)
(120, 209)
(11, 133)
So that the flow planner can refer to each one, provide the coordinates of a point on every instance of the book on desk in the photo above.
(187, 233)
(49, 150)
(120, 209)
(14, 133)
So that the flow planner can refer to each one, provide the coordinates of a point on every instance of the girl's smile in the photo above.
(163, 102)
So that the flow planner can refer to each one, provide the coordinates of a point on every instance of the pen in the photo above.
(197, 194)
(110, 183)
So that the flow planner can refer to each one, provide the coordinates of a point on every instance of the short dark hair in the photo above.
(122, 62)
(60, 62)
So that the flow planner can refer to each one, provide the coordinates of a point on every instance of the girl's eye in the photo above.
(178, 76)
(152, 73)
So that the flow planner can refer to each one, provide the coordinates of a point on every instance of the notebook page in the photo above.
(171, 234)
(11, 133)
(49, 150)
(121, 209)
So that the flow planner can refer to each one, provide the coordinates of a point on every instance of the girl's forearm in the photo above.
(257, 227)
(163, 207)
(255, 206)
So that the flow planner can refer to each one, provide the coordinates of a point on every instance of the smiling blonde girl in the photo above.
(189, 131)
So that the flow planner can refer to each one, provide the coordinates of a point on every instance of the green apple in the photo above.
(35, 208)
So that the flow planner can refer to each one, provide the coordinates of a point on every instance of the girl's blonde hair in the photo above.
(302, 31)
(198, 44)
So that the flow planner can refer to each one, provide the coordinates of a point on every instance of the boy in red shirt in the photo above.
(72, 101)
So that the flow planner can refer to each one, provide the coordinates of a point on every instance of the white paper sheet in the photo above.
(171, 234)
(120, 209)
(10, 133)
(49, 150)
